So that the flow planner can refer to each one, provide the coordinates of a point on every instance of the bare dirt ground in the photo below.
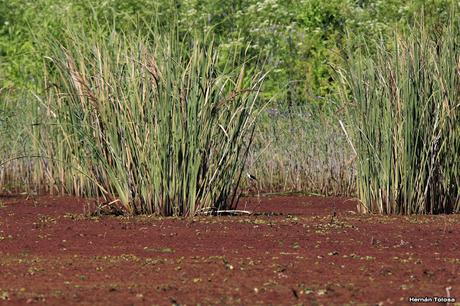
(52, 253)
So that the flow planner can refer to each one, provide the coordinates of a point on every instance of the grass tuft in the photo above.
(406, 121)
(153, 125)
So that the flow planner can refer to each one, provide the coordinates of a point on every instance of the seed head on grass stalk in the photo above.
(156, 122)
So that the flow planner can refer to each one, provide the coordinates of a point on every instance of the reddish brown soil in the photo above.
(51, 252)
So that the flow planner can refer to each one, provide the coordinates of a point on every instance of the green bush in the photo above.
(301, 39)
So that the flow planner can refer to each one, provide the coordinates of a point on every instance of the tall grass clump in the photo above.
(406, 121)
(155, 125)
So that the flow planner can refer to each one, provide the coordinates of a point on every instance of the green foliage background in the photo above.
(300, 40)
